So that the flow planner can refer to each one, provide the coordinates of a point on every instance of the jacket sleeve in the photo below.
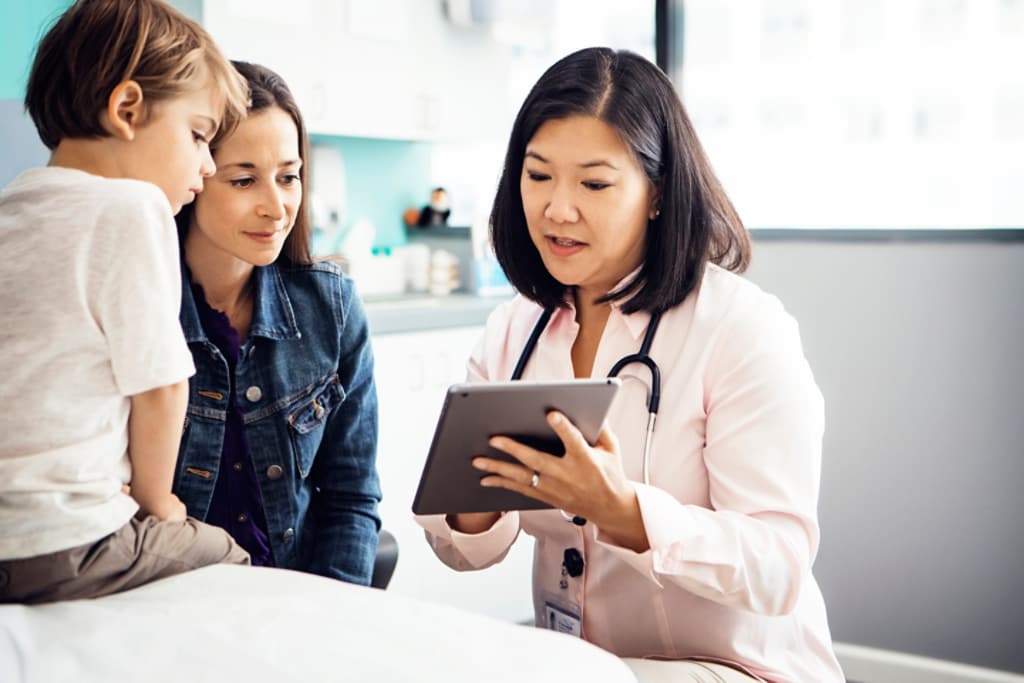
(477, 551)
(764, 423)
(345, 472)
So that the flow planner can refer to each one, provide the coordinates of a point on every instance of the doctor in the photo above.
(688, 550)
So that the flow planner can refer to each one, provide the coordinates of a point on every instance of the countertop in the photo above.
(419, 312)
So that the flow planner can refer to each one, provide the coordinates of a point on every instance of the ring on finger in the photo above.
(535, 479)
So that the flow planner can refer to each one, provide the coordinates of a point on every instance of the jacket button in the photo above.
(274, 472)
(288, 534)
(253, 393)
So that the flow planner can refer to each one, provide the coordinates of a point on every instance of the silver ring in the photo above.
(535, 479)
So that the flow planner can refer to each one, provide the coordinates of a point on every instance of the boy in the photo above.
(94, 363)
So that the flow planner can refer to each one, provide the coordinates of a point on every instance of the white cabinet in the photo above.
(394, 69)
(413, 370)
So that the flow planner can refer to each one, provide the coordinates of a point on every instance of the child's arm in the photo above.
(154, 432)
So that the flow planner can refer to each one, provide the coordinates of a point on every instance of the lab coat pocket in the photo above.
(308, 420)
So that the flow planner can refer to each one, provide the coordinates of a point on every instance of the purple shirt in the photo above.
(237, 506)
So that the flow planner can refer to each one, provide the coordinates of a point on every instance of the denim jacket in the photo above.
(305, 383)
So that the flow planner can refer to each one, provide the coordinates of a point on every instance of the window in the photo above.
(861, 113)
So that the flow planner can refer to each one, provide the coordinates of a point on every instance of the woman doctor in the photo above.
(691, 552)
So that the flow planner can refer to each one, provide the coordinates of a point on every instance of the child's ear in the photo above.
(124, 111)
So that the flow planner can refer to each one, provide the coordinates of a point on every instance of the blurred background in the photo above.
(876, 151)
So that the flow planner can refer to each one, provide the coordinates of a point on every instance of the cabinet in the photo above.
(413, 371)
(394, 69)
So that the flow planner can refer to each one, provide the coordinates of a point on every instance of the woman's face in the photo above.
(249, 205)
(587, 203)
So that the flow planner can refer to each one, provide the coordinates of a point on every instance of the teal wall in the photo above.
(23, 22)
(22, 25)
(190, 8)
(384, 177)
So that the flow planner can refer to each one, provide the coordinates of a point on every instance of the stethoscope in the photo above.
(643, 357)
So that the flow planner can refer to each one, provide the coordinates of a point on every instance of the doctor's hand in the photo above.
(588, 481)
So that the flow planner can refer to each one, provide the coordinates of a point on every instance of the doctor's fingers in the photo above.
(567, 432)
(508, 470)
(581, 487)
(576, 446)
(531, 459)
(520, 478)
(539, 492)
(581, 474)
(607, 441)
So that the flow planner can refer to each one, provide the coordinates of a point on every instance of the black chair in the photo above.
(387, 558)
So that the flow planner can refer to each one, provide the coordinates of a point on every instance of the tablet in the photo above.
(473, 413)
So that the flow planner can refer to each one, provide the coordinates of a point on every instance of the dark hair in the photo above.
(98, 44)
(267, 89)
(696, 222)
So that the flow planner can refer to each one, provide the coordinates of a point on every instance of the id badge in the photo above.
(563, 618)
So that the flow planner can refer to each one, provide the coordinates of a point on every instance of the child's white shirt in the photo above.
(91, 287)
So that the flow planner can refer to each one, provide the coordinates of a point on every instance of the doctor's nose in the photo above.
(561, 208)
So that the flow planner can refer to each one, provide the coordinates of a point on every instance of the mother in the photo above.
(280, 436)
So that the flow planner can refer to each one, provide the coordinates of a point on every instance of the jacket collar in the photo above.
(272, 317)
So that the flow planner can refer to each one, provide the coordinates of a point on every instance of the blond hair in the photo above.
(98, 44)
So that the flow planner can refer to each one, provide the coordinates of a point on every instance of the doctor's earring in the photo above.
(654, 214)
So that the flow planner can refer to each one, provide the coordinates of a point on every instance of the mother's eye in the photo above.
(242, 182)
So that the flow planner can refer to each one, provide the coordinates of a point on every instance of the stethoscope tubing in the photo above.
(643, 357)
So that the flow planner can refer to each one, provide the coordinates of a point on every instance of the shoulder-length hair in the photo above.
(696, 222)
(267, 89)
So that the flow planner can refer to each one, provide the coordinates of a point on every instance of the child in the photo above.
(94, 363)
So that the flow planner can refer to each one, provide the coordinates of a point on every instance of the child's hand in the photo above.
(167, 509)
(178, 513)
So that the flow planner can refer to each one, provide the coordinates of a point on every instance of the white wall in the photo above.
(413, 371)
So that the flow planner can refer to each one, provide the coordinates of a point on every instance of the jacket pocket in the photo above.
(307, 421)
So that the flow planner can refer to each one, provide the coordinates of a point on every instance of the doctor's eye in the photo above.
(595, 185)
(537, 177)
